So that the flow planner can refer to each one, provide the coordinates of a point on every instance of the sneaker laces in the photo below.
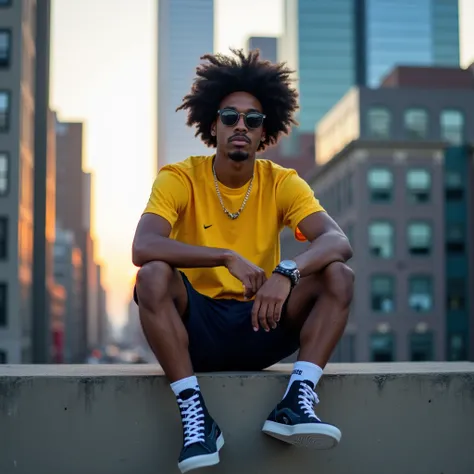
(307, 398)
(192, 415)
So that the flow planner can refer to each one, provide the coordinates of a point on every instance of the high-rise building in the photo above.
(69, 219)
(73, 213)
(335, 45)
(397, 174)
(408, 32)
(268, 46)
(319, 44)
(25, 149)
(69, 184)
(185, 33)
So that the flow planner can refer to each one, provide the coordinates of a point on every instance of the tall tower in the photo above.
(185, 33)
(336, 45)
(26, 175)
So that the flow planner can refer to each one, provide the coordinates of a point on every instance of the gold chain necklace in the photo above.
(231, 215)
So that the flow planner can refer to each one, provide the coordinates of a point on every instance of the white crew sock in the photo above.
(305, 371)
(184, 384)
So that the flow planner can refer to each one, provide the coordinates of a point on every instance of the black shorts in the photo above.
(221, 337)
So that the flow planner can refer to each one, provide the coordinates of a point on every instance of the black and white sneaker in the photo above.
(202, 438)
(294, 421)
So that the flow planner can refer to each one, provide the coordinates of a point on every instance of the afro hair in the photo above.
(223, 75)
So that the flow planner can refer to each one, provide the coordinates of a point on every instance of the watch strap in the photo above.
(293, 275)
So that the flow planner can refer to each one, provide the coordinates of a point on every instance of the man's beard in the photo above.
(238, 155)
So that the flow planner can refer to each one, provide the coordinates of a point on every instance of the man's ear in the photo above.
(214, 129)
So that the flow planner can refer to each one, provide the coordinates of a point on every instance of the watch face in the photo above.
(288, 265)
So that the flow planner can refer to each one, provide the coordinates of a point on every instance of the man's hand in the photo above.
(269, 301)
(250, 275)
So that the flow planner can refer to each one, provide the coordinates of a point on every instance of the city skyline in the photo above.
(107, 79)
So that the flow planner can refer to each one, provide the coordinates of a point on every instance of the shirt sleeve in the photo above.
(169, 196)
(296, 201)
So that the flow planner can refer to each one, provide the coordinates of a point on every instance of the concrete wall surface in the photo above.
(400, 418)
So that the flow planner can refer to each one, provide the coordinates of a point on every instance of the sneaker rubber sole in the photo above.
(305, 435)
(205, 460)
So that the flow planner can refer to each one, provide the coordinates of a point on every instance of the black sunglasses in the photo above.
(230, 117)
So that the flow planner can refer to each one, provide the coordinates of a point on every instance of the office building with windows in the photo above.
(26, 158)
(185, 33)
(338, 44)
(397, 174)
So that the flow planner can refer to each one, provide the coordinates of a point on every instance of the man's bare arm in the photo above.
(152, 242)
(329, 244)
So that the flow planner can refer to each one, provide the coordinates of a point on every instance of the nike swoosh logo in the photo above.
(207, 226)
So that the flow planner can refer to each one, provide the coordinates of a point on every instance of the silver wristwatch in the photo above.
(289, 269)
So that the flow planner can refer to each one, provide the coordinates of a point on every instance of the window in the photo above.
(380, 182)
(454, 186)
(382, 348)
(419, 238)
(4, 111)
(379, 122)
(3, 305)
(457, 347)
(418, 185)
(381, 239)
(452, 126)
(3, 238)
(455, 244)
(420, 293)
(421, 346)
(3, 354)
(4, 172)
(382, 293)
(5, 48)
(416, 124)
(455, 294)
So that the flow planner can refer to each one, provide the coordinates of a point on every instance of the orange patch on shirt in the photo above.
(299, 236)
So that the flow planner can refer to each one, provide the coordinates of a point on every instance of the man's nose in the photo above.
(240, 125)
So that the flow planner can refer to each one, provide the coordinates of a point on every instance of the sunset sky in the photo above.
(103, 72)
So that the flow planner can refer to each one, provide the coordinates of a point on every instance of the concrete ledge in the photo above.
(395, 418)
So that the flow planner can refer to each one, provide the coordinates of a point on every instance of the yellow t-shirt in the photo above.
(184, 194)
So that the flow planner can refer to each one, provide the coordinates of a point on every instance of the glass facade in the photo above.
(336, 45)
(456, 208)
(326, 56)
(185, 33)
(410, 32)
(445, 32)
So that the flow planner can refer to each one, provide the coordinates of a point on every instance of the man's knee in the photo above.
(154, 278)
(339, 282)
